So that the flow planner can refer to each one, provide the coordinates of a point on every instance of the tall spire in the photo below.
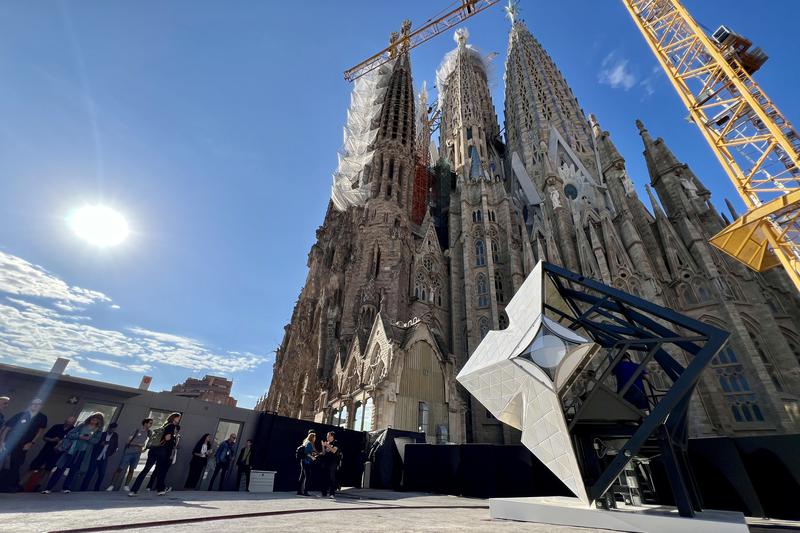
(609, 155)
(659, 158)
(468, 119)
(540, 105)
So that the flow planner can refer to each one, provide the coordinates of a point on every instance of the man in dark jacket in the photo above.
(243, 465)
(20, 433)
(224, 457)
(109, 442)
(44, 462)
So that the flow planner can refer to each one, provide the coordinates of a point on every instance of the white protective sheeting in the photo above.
(448, 64)
(350, 187)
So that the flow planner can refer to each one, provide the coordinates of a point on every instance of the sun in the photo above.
(99, 225)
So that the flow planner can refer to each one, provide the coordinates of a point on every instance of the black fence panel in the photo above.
(479, 471)
(277, 438)
(387, 465)
(432, 468)
(722, 477)
(773, 464)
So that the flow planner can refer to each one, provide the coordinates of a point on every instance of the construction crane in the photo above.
(407, 39)
(758, 148)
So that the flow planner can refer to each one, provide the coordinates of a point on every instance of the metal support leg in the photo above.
(674, 471)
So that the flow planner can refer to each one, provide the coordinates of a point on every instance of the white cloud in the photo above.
(648, 84)
(114, 364)
(35, 334)
(615, 73)
(22, 278)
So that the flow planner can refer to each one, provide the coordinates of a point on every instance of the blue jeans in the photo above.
(95, 465)
(66, 461)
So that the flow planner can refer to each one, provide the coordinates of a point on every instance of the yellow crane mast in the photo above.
(407, 39)
(758, 148)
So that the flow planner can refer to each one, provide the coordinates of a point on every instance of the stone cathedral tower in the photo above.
(395, 301)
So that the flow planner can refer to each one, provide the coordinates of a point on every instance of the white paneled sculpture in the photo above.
(569, 371)
(516, 374)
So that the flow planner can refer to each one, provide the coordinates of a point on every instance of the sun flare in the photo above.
(99, 225)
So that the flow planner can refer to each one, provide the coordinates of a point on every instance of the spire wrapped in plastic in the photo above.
(350, 187)
(448, 64)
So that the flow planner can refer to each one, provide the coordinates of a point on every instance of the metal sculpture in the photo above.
(573, 372)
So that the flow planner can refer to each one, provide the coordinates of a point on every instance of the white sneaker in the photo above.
(169, 489)
(45, 491)
(162, 492)
(110, 488)
(131, 494)
(66, 491)
(126, 488)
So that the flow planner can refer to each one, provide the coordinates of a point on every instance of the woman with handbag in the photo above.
(75, 445)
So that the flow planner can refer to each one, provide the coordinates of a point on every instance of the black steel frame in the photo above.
(623, 323)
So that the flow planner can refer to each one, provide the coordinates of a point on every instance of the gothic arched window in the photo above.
(793, 342)
(495, 252)
(419, 287)
(483, 290)
(498, 287)
(436, 292)
(769, 364)
(483, 326)
(733, 382)
(480, 253)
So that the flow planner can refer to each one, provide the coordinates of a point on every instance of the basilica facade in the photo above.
(397, 298)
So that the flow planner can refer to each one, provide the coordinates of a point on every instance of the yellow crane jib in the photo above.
(756, 145)
(407, 39)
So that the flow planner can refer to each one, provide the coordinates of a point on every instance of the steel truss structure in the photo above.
(756, 145)
(407, 39)
(599, 409)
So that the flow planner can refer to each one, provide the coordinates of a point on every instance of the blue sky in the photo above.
(213, 126)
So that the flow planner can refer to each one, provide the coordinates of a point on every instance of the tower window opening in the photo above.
(469, 133)
(483, 291)
(498, 287)
(480, 253)
(483, 326)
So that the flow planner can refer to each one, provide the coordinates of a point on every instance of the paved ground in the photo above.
(355, 510)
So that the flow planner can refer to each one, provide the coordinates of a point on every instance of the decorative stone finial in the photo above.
(461, 37)
(512, 11)
(640, 125)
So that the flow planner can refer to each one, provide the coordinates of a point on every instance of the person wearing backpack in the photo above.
(75, 445)
(224, 457)
(159, 453)
(131, 453)
(306, 454)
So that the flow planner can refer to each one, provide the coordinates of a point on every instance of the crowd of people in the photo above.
(319, 460)
(89, 447)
